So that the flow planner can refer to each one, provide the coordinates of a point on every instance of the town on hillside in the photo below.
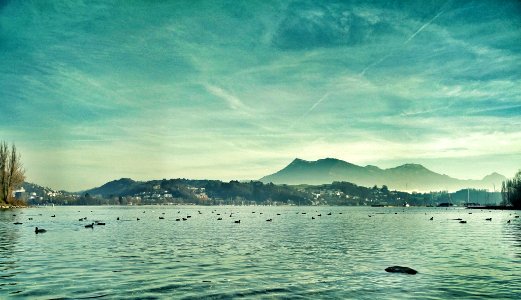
(214, 192)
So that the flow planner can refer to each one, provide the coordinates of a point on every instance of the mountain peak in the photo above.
(124, 180)
(297, 161)
(412, 166)
(114, 186)
(410, 176)
(330, 159)
(494, 177)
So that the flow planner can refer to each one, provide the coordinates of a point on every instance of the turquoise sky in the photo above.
(91, 91)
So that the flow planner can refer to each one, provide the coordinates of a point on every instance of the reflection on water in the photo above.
(512, 232)
(342, 255)
(8, 239)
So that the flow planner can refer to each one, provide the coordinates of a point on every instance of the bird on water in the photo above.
(39, 230)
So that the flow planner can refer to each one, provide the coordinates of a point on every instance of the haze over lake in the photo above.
(342, 255)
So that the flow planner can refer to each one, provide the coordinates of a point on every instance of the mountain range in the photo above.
(407, 177)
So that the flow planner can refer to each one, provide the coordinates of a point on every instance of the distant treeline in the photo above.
(214, 192)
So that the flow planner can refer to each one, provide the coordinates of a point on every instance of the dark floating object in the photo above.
(339, 213)
(178, 219)
(463, 222)
(137, 219)
(100, 223)
(163, 213)
(303, 213)
(184, 219)
(188, 217)
(432, 218)
(219, 219)
(508, 222)
(237, 222)
(458, 219)
(53, 216)
(278, 214)
(30, 218)
(329, 214)
(117, 219)
(312, 218)
(39, 230)
(516, 216)
(161, 218)
(207, 281)
(320, 215)
(269, 220)
(91, 225)
(488, 219)
(17, 223)
(400, 269)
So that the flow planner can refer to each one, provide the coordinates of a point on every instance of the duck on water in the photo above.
(39, 230)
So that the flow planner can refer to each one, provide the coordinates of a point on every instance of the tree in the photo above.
(12, 174)
(511, 191)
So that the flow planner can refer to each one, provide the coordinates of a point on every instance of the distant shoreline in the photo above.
(12, 206)
(494, 207)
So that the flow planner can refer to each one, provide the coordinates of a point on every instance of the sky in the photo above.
(92, 91)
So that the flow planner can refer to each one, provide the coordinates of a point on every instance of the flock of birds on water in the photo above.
(219, 218)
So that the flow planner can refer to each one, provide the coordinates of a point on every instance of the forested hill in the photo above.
(126, 191)
(200, 191)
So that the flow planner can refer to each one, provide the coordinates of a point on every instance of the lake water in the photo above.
(337, 256)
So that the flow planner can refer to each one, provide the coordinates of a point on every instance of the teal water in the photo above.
(337, 256)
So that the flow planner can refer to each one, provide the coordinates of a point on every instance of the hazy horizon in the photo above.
(100, 91)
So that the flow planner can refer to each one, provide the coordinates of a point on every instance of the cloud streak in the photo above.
(232, 101)
(424, 26)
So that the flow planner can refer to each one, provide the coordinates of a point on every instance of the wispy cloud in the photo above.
(232, 101)
(103, 86)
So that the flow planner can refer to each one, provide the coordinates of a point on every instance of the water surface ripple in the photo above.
(342, 255)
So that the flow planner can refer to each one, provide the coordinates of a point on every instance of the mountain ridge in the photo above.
(409, 176)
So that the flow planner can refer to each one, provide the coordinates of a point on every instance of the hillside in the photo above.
(406, 177)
